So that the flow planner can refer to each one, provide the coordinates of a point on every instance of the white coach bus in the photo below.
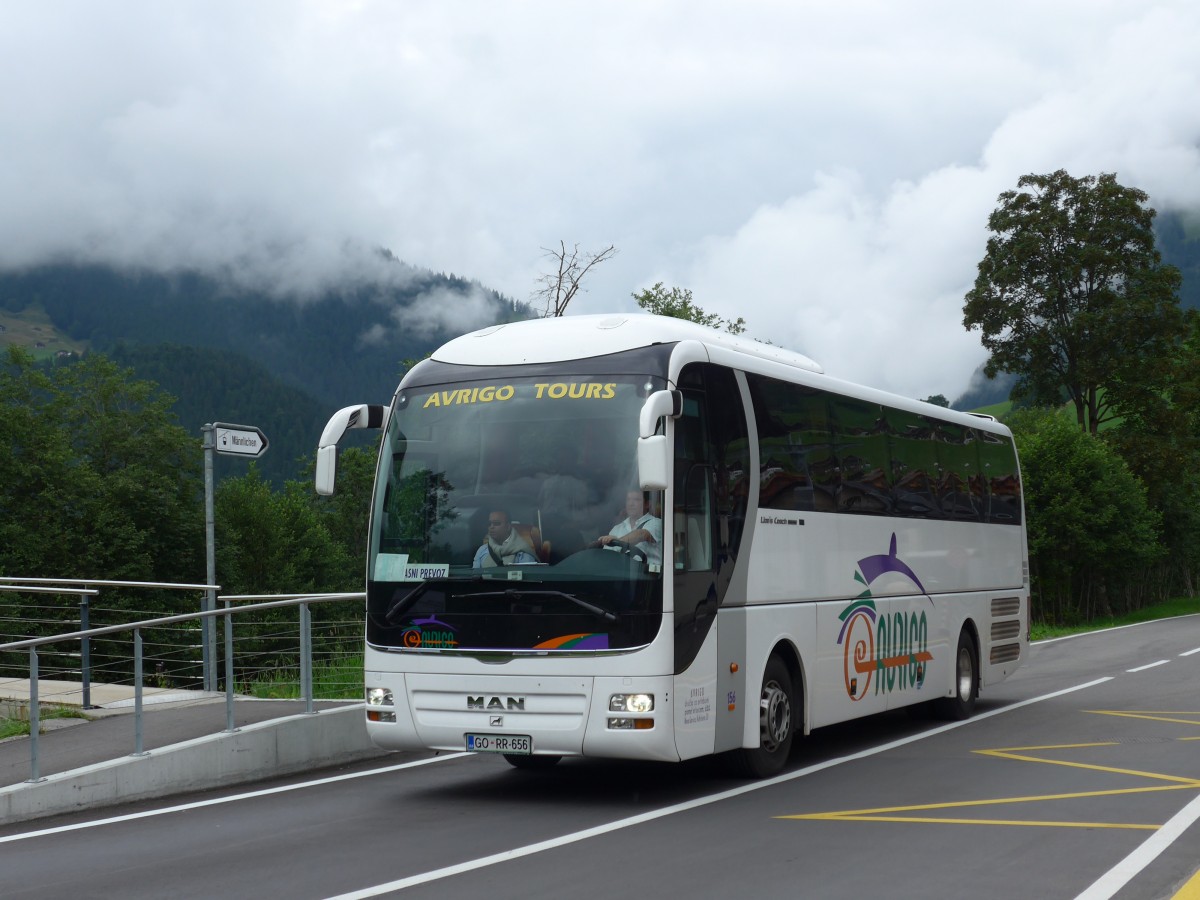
(806, 551)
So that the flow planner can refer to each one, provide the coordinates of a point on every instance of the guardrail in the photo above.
(298, 600)
(86, 588)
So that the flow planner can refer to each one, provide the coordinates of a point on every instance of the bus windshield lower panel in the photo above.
(492, 499)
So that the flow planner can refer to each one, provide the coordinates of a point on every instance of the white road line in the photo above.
(587, 833)
(1161, 662)
(1103, 631)
(1190, 652)
(1124, 871)
(200, 804)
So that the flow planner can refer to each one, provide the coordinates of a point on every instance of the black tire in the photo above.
(966, 682)
(778, 720)
(532, 763)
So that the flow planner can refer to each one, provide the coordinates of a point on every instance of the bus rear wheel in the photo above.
(966, 682)
(777, 721)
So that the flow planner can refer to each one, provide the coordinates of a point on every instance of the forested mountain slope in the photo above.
(340, 347)
(280, 363)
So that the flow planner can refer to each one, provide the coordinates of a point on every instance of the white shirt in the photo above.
(653, 524)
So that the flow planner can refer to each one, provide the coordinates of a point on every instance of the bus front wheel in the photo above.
(966, 682)
(777, 721)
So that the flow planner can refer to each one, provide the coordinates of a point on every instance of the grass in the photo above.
(340, 679)
(1180, 606)
(13, 727)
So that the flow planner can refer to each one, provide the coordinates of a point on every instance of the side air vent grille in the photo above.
(1006, 653)
(1006, 606)
(1006, 631)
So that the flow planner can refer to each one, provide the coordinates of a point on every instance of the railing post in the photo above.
(35, 723)
(85, 652)
(306, 674)
(208, 626)
(228, 666)
(137, 693)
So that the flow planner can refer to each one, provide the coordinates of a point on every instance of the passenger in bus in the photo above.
(503, 546)
(639, 527)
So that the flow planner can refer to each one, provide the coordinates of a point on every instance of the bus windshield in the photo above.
(500, 510)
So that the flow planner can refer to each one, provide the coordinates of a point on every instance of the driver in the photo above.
(639, 527)
(503, 546)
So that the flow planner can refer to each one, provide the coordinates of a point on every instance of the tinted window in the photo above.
(861, 448)
(958, 472)
(914, 464)
(826, 452)
(797, 467)
(999, 463)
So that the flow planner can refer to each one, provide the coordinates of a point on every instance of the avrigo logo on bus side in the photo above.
(890, 652)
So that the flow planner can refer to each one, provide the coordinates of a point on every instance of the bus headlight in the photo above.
(634, 703)
(376, 698)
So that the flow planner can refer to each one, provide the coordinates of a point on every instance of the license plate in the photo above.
(519, 744)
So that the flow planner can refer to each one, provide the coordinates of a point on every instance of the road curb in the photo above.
(253, 752)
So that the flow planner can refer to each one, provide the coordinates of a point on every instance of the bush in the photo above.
(1092, 533)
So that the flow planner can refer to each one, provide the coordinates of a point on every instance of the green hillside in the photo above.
(282, 364)
(220, 386)
(32, 329)
(341, 347)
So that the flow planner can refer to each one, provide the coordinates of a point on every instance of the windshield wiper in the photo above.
(405, 603)
(512, 594)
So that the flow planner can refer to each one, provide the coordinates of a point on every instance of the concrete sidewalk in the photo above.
(85, 763)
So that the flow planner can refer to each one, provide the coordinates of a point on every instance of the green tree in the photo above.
(1092, 532)
(96, 481)
(1160, 440)
(346, 513)
(36, 493)
(279, 542)
(938, 400)
(96, 478)
(148, 499)
(1072, 296)
(677, 303)
(274, 542)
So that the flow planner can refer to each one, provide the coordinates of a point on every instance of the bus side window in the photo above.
(999, 463)
(693, 479)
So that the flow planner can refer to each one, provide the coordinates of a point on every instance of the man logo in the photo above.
(496, 722)
(508, 703)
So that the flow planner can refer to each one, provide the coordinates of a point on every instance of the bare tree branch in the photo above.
(559, 287)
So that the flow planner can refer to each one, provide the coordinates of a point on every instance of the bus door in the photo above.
(711, 459)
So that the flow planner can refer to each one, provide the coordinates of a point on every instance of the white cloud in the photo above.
(444, 310)
(824, 170)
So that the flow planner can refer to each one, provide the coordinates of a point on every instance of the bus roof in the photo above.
(575, 337)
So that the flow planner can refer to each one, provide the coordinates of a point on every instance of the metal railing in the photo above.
(298, 600)
(86, 588)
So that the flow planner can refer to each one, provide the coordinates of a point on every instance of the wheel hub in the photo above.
(775, 717)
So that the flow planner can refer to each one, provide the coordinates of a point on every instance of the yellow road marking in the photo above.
(1022, 754)
(835, 817)
(1015, 753)
(992, 801)
(1191, 890)
(1151, 715)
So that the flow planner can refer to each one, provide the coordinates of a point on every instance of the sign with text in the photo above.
(239, 440)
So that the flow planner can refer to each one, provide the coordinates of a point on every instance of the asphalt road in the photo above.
(1080, 776)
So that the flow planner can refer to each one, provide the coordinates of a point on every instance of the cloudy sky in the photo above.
(823, 169)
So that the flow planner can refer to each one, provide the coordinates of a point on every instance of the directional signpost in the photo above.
(247, 442)
(239, 440)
